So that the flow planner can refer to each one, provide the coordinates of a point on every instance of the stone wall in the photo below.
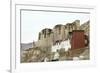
(45, 38)
(48, 37)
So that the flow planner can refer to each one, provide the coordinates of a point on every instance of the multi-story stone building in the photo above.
(62, 32)
(48, 37)
(45, 39)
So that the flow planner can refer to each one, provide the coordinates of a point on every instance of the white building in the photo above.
(64, 44)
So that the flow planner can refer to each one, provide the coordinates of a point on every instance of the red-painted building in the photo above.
(78, 39)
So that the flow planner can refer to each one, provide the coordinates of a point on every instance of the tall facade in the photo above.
(45, 38)
(48, 37)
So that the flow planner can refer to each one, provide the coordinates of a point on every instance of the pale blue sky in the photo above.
(34, 21)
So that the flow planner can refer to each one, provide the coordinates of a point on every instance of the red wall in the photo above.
(78, 39)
